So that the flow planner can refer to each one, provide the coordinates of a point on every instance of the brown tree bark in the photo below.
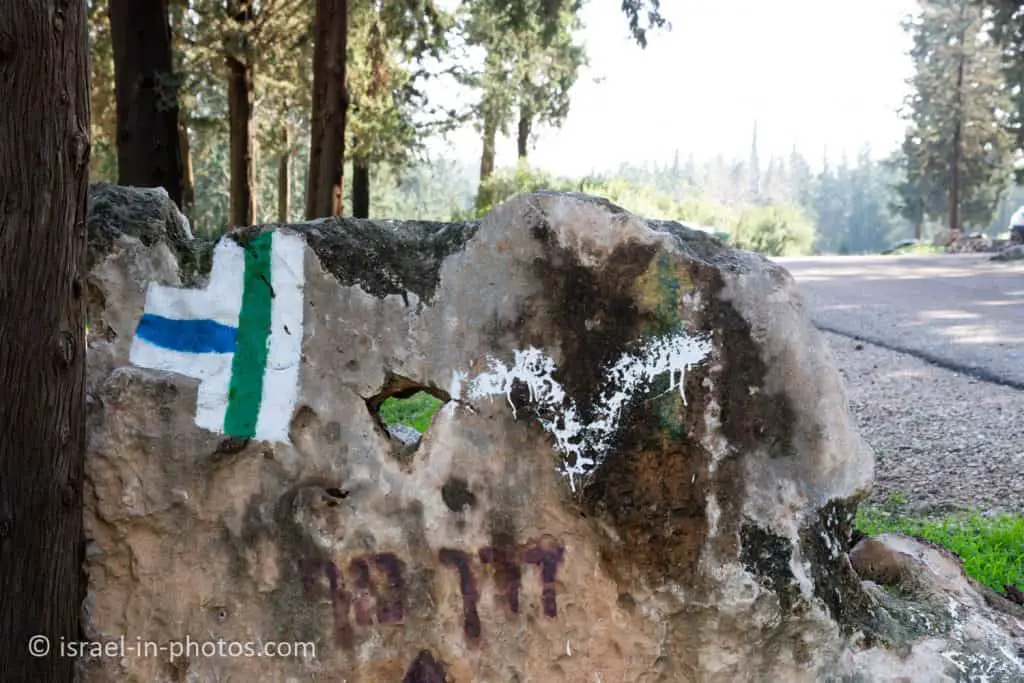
(360, 190)
(330, 104)
(147, 96)
(241, 123)
(487, 155)
(954, 180)
(490, 134)
(284, 187)
(188, 178)
(523, 136)
(44, 165)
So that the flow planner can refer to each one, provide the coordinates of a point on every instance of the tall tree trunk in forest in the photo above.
(240, 117)
(324, 186)
(525, 128)
(44, 166)
(487, 155)
(490, 134)
(284, 186)
(241, 122)
(954, 180)
(188, 179)
(360, 189)
(378, 82)
(147, 96)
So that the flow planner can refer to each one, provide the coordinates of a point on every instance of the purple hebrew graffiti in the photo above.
(391, 605)
(311, 571)
(506, 571)
(467, 585)
(425, 669)
(547, 554)
(378, 589)
(362, 597)
(388, 604)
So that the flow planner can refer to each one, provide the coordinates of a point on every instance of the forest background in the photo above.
(238, 82)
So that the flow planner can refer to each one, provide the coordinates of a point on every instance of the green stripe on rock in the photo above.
(245, 392)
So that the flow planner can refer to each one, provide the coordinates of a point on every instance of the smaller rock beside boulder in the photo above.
(945, 238)
(971, 244)
(924, 603)
(1014, 253)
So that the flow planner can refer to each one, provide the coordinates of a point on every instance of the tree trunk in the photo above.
(284, 186)
(954, 180)
(188, 179)
(360, 190)
(484, 195)
(44, 165)
(241, 123)
(487, 156)
(330, 103)
(525, 128)
(147, 96)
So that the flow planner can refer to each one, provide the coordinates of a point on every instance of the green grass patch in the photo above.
(920, 249)
(991, 546)
(415, 411)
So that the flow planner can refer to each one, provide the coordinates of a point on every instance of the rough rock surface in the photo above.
(945, 237)
(929, 607)
(645, 469)
(1012, 253)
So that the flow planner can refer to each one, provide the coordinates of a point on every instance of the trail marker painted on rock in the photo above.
(241, 336)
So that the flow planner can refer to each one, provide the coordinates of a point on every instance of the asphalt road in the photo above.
(963, 312)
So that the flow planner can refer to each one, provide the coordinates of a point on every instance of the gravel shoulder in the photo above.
(944, 440)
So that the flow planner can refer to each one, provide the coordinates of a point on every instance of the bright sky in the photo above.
(815, 73)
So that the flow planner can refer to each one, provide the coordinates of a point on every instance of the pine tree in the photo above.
(1006, 22)
(530, 64)
(957, 139)
(390, 116)
(754, 170)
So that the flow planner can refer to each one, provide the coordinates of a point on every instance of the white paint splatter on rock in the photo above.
(585, 444)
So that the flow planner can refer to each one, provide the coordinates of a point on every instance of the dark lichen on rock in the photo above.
(386, 257)
(148, 215)
(825, 540)
(767, 555)
(456, 494)
(597, 318)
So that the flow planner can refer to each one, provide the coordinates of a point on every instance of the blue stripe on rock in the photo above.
(188, 336)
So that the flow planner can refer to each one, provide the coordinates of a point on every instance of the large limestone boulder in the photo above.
(644, 469)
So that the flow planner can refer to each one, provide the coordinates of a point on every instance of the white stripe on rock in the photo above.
(284, 356)
(220, 300)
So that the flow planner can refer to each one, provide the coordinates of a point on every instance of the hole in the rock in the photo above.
(405, 408)
(415, 411)
(335, 492)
